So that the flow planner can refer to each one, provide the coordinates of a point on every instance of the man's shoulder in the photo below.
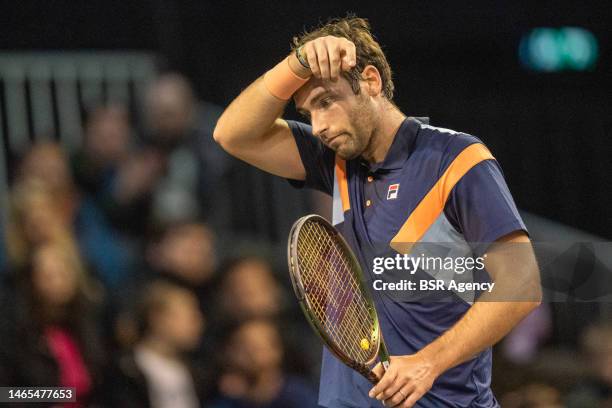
(445, 139)
(445, 144)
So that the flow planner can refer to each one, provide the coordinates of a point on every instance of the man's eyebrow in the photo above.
(313, 101)
(319, 96)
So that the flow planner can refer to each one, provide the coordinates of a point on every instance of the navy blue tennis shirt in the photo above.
(434, 185)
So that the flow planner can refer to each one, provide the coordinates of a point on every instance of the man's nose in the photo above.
(319, 127)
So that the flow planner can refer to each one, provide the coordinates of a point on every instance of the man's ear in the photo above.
(373, 81)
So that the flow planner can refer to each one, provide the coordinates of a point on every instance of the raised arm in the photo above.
(251, 127)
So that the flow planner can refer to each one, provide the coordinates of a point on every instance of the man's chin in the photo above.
(346, 155)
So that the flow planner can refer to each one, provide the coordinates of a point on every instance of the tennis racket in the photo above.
(329, 285)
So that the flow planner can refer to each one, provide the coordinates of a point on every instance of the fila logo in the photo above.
(392, 192)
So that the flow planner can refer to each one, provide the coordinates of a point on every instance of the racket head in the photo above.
(329, 285)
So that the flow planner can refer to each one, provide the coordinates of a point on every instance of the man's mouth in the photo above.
(334, 138)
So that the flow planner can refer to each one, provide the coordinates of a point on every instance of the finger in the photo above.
(322, 59)
(345, 65)
(350, 54)
(413, 398)
(311, 56)
(400, 396)
(335, 62)
(387, 379)
(391, 395)
(378, 370)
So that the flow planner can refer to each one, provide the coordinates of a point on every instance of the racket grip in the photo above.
(373, 378)
(383, 355)
(369, 374)
(385, 364)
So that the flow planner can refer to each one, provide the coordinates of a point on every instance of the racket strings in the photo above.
(334, 292)
(333, 308)
(341, 308)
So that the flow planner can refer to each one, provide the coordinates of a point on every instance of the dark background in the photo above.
(456, 62)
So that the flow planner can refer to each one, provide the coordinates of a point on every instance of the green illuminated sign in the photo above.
(559, 49)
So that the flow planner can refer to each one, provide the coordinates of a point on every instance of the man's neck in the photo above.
(390, 120)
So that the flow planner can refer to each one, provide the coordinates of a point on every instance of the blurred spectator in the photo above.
(249, 290)
(117, 175)
(48, 331)
(186, 252)
(533, 396)
(36, 219)
(133, 190)
(522, 344)
(106, 144)
(183, 254)
(156, 373)
(595, 391)
(100, 245)
(181, 129)
(252, 373)
(3, 255)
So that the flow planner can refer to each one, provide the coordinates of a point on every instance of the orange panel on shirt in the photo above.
(342, 183)
(432, 205)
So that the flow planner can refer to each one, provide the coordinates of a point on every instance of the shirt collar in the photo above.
(400, 148)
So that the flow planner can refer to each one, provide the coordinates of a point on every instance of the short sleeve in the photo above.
(481, 206)
(318, 159)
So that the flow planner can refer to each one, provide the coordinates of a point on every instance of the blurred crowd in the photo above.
(115, 281)
(112, 277)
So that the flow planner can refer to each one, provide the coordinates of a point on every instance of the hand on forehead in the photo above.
(315, 88)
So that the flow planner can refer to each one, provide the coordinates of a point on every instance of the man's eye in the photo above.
(325, 102)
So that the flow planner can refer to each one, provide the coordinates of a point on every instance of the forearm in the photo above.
(484, 324)
(253, 113)
(249, 116)
(517, 291)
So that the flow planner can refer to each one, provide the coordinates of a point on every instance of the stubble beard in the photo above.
(362, 120)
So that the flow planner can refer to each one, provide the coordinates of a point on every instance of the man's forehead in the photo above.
(309, 91)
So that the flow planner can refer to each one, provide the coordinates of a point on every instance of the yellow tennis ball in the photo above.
(365, 344)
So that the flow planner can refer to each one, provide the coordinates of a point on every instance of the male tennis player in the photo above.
(393, 180)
